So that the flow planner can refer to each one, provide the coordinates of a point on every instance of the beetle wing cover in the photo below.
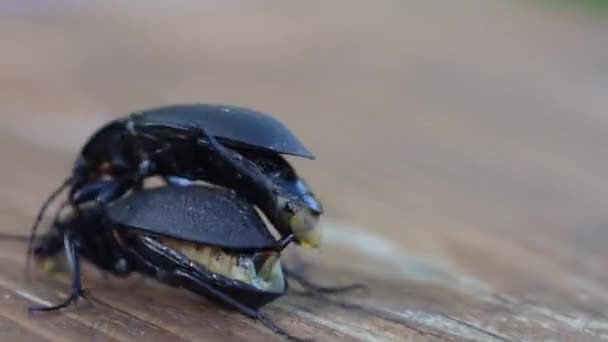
(194, 213)
(235, 126)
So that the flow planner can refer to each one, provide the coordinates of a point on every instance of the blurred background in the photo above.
(460, 143)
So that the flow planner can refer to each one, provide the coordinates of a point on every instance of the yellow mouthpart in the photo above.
(305, 230)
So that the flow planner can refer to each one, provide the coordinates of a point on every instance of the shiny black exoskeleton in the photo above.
(233, 147)
(205, 239)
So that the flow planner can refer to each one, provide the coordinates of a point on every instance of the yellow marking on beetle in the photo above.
(305, 229)
(234, 266)
(49, 265)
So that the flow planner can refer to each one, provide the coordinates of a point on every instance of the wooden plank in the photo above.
(87, 321)
(461, 161)
(10, 330)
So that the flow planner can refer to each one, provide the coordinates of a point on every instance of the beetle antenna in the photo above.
(39, 217)
(315, 289)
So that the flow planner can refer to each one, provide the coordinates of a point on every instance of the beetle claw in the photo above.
(283, 243)
(73, 298)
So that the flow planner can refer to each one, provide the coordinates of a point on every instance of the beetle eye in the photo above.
(312, 203)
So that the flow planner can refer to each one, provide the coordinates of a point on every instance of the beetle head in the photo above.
(302, 216)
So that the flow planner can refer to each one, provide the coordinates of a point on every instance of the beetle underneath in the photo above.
(205, 239)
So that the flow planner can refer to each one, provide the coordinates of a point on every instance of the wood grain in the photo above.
(461, 159)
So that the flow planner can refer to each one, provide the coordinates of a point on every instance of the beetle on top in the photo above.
(233, 147)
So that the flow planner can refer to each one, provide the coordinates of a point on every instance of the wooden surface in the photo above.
(462, 159)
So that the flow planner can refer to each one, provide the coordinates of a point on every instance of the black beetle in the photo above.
(206, 239)
(233, 147)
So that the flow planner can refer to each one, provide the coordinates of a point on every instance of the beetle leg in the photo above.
(184, 271)
(89, 192)
(312, 288)
(72, 253)
(114, 191)
(255, 184)
(281, 244)
(39, 217)
(265, 190)
(179, 181)
(236, 161)
(103, 191)
(247, 311)
(240, 307)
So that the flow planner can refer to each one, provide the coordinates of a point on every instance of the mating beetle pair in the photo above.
(207, 238)
(181, 142)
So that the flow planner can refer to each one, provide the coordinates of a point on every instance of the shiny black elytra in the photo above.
(164, 233)
(233, 147)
